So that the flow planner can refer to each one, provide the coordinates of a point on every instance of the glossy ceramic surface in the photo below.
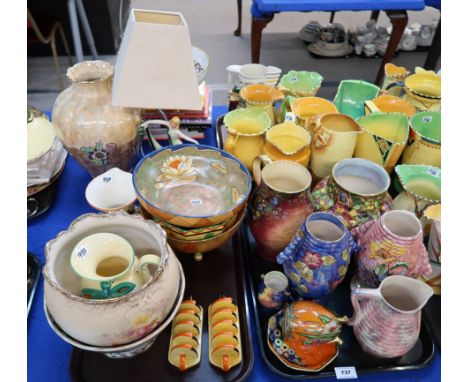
(425, 85)
(389, 104)
(113, 321)
(273, 291)
(262, 96)
(111, 191)
(304, 336)
(288, 141)
(394, 74)
(334, 139)
(279, 205)
(192, 185)
(300, 83)
(201, 62)
(387, 320)
(351, 96)
(317, 258)
(246, 133)
(41, 134)
(391, 245)
(383, 138)
(307, 109)
(424, 146)
(356, 191)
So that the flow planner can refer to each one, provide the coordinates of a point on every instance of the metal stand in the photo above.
(73, 7)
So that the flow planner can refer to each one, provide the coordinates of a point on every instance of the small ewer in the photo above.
(387, 320)
(108, 266)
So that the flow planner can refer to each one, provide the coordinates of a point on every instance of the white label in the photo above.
(427, 119)
(348, 372)
(289, 117)
(106, 179)
(293, 80)
(82, 252)
(196, 202)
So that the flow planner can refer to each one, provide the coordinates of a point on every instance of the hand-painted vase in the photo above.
(318, 257)
(97, 134)
(279, 205)
(356, 191)
(273, 291)
(387, 320)
(305, 335)
(391, 245)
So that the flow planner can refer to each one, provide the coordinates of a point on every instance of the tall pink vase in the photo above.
(391, 245)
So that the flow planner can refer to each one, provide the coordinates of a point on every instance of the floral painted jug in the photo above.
(317, 258)
(356, 191)
(391, 245)
(279, 205)
(387, 320)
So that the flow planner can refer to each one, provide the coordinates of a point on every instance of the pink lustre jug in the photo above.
(391, 245)
(279, 205)
(387, 320)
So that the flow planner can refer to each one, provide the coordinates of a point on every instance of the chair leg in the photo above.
(399, 19)
(375, 15)
(256, 36)
(56, 60)
(238, 31)
(65, 44)
(332, 16)
(434, 52)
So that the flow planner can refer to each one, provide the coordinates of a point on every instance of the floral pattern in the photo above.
(176, 168)
(99, 153)
(312, 260)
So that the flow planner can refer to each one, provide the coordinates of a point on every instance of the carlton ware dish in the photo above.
(318, 257)
(334, 139)
(199, 246)
(383, 138)
(122, 351)
(119, 320)
(108, 266)
(300, 83)
(391, 245)
(273, 291)
(111, 191)
(394, 74)
(387, 320)
(201, 62)
(262, 96)
(246, 133)
(422, 188)
(424, 140)
(305, 336)
(279, 205)
(356, 191)
(288, 141)
(351, 96)
(389, 104)
(306, 110)
(96, 133)
(192, 185)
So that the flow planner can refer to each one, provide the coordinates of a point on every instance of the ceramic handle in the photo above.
(393, 84)
(312, 123)
(372, 107)
(257, 167)
(145, 261)
(288, 253)
(361, 293)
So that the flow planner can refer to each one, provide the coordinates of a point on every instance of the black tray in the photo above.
(350, 353)
(220, 271)
(432, 313)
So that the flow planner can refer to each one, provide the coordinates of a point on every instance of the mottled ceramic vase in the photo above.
(317, 258)
(356, 191)
(387, 320)
(391, 245)
(98, 135)
(279, 205)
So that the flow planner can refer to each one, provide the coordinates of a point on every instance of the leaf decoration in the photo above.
(380, 269)
(324, 319)
(328, 260)
(345, 255)
(398, 264)
(342, 270)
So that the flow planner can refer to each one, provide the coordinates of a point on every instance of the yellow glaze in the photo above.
(288, 141)
(334, 139)
(383, 138)
(307, 110)
(424, 87)
(394, 74)
(262, 96)
(41, 134)
(390, 104)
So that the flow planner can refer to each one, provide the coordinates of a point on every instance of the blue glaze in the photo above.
(313, 266)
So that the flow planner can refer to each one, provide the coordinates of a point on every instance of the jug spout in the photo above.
(405, 294)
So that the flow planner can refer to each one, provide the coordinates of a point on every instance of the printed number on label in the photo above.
(348, 372)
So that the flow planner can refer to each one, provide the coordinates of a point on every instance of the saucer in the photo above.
(324, 49)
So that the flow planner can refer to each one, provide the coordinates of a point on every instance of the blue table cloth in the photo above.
(48, 355)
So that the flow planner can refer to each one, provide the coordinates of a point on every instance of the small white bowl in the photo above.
(202, 58)
(111, 191)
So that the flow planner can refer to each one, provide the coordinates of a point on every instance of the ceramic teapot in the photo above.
(305, 335)
(387, 320)
(317, 258)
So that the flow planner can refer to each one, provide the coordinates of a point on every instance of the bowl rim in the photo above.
(175, 148)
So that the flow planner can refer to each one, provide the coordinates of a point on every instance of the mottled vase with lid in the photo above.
(356, 191)
(391, 245)
(98, 135)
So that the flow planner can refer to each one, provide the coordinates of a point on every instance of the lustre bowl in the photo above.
(192, 186)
